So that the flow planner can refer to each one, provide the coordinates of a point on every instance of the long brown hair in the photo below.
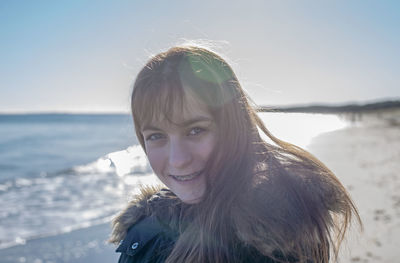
(278, 199)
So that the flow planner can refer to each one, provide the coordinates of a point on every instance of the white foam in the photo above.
(79, 197)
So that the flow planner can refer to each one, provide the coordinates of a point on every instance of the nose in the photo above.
(179, 154)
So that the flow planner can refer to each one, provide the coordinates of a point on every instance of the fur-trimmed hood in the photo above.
(144, 204)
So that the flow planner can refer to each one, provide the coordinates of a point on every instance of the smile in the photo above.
(185, 177)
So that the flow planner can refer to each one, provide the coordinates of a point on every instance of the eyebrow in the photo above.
(183, 124)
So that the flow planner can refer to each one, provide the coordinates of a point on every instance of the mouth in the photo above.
(188, 177)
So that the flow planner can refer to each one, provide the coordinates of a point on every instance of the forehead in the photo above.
(190, 108)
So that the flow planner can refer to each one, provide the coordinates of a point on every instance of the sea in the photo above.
(62, 172)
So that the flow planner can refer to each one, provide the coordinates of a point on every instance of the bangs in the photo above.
(158, 101)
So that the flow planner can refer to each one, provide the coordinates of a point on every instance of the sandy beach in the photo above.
(366, 158)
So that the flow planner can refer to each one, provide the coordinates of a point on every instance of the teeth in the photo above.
(185, 177)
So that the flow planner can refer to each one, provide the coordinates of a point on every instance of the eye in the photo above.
(196, 131)
(155, 136)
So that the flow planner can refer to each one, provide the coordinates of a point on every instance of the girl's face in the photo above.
(179, 150)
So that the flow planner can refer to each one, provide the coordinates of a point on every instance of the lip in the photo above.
(186, 177)
(177, 175)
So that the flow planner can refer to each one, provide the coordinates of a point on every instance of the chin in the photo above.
(189, 197)
(192, 200)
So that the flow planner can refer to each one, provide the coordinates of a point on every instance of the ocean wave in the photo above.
(73, 198)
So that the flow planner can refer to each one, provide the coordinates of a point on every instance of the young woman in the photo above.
(230, 196)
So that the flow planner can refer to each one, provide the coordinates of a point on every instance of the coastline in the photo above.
(355, 108)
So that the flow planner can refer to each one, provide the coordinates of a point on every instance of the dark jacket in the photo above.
(148, 239)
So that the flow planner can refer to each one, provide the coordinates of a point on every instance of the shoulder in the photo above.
(287, 210)
(286, 176)
(295, 185)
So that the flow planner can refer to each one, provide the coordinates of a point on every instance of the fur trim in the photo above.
(136, 209)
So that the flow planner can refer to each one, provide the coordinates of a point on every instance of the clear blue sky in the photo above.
(82, 56)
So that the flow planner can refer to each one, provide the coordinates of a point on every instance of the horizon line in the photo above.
(120, 112)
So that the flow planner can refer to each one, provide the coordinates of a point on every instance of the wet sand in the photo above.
(79, 246)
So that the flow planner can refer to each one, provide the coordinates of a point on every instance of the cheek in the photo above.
(156, 160)
(207, 147)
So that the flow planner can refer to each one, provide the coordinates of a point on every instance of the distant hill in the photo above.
(320, 108)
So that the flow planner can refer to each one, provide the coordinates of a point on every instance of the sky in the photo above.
(82, 56)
